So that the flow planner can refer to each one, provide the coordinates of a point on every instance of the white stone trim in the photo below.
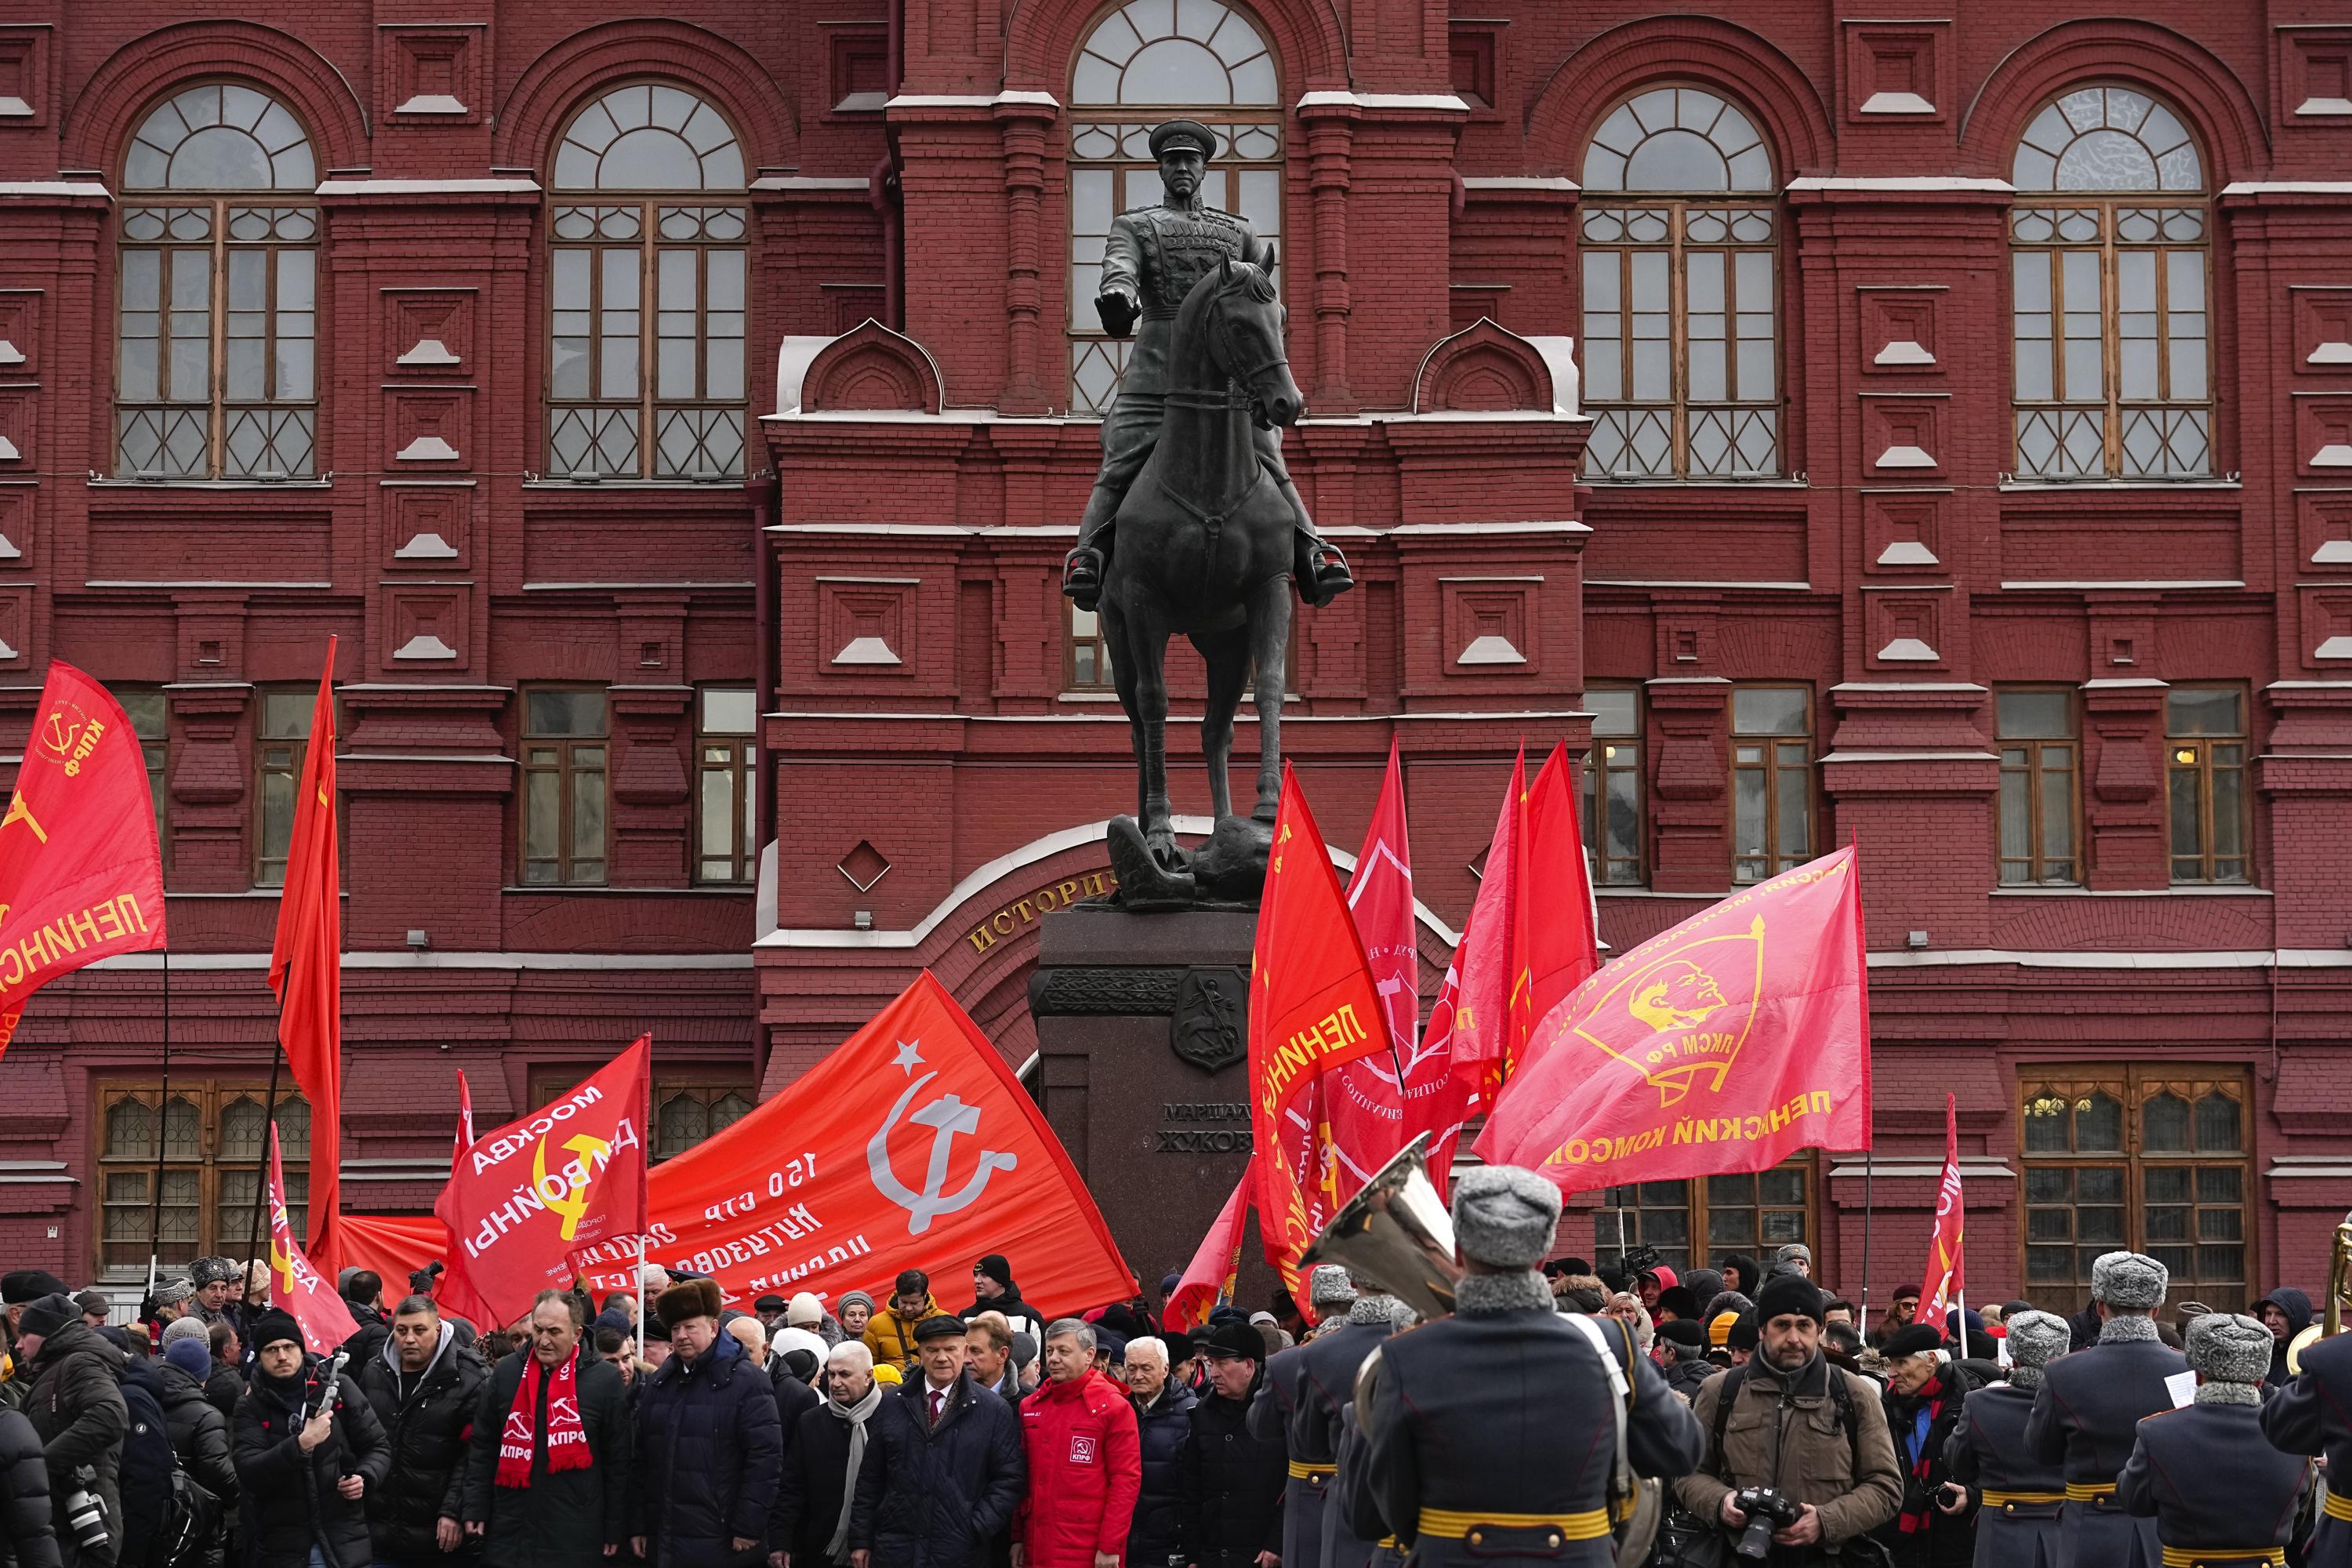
(425, 187)
(1327, 98)
(1899, 183)
(812, 182)
(969, 101)
(2288, 187)
(2124, 584)
(1519, 182)
(2258, 958)
(53, 188)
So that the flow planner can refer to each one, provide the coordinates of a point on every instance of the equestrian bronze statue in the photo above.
(1194, 527)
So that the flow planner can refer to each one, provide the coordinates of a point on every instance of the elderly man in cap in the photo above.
(943, 1469)
(1229, 1482)
(2088, 1413)
(2017, 1492)
(216, 1280)
(1928, 1382)
(2219, 1495)
(1150, 261)
(1490, 1436)
(1306, 1389)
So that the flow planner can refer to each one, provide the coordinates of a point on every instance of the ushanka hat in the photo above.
(1183, 134)
(1332, 1287)
(2225, 1347)
(2132, 1280)
(2037, 1339)
(1505, 1216)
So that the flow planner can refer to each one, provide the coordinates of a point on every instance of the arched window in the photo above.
(646, 283)
(1143, 63)
(215, 373)
(1681, 362)
(2108, 267)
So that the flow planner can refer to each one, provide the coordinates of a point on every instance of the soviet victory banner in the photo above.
(1723, 1045)
(910, 1145)
(80, 878)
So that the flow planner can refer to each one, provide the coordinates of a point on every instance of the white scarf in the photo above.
(837, 1548)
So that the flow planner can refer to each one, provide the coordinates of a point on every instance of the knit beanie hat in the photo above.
(1683, 1333)
(1746, 1333)
(272, 1325)
(1331, 1288)
(2225, 1347)
(1505, 1216)
(1718, 1329)
(995, 1266)
(195, 1329)
(854, 1298)
(1025, 1350)
(2132, 1280)
(804, 1311)
(48, 1315)
(192, 1356)
(1788, 1295)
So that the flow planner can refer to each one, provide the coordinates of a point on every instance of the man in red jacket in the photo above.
(1084, 1464)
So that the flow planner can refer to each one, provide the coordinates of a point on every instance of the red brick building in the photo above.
(680, 422)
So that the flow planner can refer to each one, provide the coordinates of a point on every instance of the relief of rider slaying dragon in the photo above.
(1195, 526)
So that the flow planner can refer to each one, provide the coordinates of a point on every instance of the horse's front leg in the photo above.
(1269, 633)
(1226, 653)
(1148, 652)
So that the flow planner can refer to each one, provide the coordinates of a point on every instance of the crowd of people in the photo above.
(1527, 1427)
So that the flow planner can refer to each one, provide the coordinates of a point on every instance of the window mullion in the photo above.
(1679, 341)
(648, 338)
(2111, 356)
(217, 388)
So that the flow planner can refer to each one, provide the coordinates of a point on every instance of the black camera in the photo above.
(1766, 1511)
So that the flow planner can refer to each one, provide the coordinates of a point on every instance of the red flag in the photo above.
(294, 1285)
(532, 1193)
(1208, 1278)
(306, 963)
(81, 877)
(394, 1246)
(465, 1113)
(1945, 1286)
(1562, 947)
(911, 1145)
(1479, 1025)
(1723, 1045)
(1313, 1009)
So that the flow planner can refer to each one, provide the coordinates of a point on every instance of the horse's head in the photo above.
(1244, 323)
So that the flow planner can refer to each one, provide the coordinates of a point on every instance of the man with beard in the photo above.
(424, 1388)
(2088, 1410)
(2017, 1494)
(1925, 1387)
(305, 1461)
(1229, 1483)
(1788, 1420)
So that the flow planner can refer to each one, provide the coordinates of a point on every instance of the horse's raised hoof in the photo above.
(1231, 866)
(1144, 884)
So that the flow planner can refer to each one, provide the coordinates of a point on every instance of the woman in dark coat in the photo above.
(28, 1536)
(297, 1498)
(560, 1519)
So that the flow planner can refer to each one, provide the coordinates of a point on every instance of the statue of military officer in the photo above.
(1152, 260)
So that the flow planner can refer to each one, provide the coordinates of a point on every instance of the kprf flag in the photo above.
(294, 1285)
(81, 877)
(1477, 1024)
(305, 962)
(1313, 1010)
(1208, 1278)
(911, 1145)
(525, 1197)
(1723, 1045)
(1945, 1286)
(1559, 945)
(1379, 1102)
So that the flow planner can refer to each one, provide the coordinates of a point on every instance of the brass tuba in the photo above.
(1395, 1236)
(2339, 1293)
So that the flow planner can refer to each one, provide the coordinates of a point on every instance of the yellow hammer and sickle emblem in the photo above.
(19, 812)
(282, 1263)
(574, 1205)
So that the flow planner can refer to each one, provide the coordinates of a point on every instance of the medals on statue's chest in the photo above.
(1187, 248)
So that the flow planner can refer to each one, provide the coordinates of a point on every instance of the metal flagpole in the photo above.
(261, 1161)
(163, 1120)
(1864, 1328)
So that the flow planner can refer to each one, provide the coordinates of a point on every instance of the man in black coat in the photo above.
(549, 1488)
(199, 1433)
(75, 1403)
(425, 1388)
(944, 1465)
(362, 1288)
(1229, 1482)
(823, 1457)
(304, 1461)
(1163, 1418)
(709, 1447)
(29, 1532)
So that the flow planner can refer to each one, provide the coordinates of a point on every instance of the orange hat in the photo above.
(1718, 1329)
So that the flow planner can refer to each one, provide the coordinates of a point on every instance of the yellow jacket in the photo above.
(891, 1337)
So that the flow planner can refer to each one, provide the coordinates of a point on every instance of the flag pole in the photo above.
(162, 1118)
(1866, 1176)
(261, 1161)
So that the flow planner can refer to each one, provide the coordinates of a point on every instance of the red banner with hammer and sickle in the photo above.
(294, 1284)
(526, 1195)
(80, 878)
(1725, 1045)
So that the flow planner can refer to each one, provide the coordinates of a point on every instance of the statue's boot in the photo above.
(1083, 567)
(1320, 570)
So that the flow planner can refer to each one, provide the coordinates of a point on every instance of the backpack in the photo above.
(1686, 1541)
(145, 1475)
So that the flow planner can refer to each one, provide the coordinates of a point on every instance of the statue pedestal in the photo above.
(1143, 1036)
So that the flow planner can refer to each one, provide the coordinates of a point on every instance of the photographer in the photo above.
(306, 1457)
(76, 1405)
(1795, 1445)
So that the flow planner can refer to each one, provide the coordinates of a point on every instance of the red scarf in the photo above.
(567, 1435)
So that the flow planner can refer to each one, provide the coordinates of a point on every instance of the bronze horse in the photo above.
(1204, 549)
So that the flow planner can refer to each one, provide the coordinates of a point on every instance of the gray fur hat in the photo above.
(1793, 1251)
(2225, 1347)
(1330, 1286)
(1505, 1216)
(171, 1292)
(2132, 1280)
(2037, 1339)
